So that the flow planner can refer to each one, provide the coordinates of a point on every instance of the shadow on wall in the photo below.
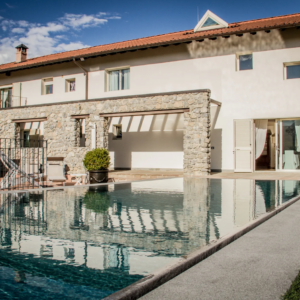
(152, 141)
(216, 151)
(216, 139)
(261, 41)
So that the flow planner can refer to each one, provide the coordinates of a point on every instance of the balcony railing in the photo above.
(12, 101)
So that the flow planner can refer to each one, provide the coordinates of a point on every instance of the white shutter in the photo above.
(16, 94)
(243, 145)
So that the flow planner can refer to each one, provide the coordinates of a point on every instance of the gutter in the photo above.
(86, 73)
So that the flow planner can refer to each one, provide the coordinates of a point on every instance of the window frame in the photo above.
(68, 85)
(287, 64)
(46, 82)
(237, 60)
(8, 88)
(107, 77)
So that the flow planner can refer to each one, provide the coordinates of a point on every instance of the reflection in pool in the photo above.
(90, 242)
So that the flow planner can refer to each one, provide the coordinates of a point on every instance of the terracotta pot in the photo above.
(99, 176)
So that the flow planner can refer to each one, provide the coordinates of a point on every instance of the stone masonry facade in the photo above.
(62, 132)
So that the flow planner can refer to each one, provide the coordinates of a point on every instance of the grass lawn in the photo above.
(293, 293)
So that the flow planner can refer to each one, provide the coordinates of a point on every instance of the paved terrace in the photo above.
(152, 174)
(260, 265)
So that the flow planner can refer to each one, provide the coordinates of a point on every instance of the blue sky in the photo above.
(61, 25)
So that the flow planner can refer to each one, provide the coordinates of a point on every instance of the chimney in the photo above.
(21, 53)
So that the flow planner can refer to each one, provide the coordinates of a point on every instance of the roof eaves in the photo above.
(189, 35)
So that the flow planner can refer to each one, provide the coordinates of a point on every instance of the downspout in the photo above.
(86, 73)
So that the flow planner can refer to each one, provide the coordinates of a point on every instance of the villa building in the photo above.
(218, 97)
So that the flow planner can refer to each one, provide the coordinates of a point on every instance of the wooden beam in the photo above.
(80, 116)
(144, 113)
(55, 158)
(28, 120)
(215, 102)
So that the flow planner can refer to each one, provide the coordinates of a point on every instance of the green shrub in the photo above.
(97, 159)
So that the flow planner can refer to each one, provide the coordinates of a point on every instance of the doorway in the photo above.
(288, 144)
(265, 154)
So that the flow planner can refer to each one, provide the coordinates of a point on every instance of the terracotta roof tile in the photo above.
(158, 40)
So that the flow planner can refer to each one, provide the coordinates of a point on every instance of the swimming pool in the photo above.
(89, 242)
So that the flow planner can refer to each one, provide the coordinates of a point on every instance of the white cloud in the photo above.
(43, 39)
(45, 30)
(71, 46)
(18, 30)
(82, 20)
(23, 23)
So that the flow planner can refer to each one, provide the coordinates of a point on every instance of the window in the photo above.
(117, 132)
(292, 70)
(31, 138)
(80, 132)
(118, 79)
(47, 87)
(26, 139)
(245, 62)
(209, 22)
(70, 85)
(31, 134)
(5, 97)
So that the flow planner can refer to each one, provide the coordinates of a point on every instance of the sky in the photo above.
(61, 25)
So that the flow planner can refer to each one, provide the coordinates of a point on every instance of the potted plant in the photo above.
(97, 162)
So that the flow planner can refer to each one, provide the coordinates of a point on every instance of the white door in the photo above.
(243, 145)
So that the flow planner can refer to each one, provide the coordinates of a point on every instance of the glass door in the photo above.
(277, 144)
(288, 144)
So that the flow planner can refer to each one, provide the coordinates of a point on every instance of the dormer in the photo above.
(210, 21)
(21, 53)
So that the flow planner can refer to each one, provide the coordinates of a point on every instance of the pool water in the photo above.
(89, 242)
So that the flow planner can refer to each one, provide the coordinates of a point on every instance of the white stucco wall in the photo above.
(32, 90)
(148, 142)
(259, 93)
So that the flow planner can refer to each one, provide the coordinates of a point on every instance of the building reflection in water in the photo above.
(133, 228)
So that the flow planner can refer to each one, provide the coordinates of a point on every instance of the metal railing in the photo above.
(23, 163)
(12, 101)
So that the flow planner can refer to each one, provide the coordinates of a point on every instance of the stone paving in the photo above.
(120, 175)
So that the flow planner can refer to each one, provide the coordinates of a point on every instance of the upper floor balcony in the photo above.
(8, 100)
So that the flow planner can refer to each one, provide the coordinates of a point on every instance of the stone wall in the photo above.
(61, 130)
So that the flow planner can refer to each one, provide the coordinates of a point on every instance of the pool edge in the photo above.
(152, 281)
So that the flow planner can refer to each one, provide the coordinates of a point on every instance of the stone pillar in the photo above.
(17, 131)
(88, 133)
(102, 133)
(77, 132)
(196, 138)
